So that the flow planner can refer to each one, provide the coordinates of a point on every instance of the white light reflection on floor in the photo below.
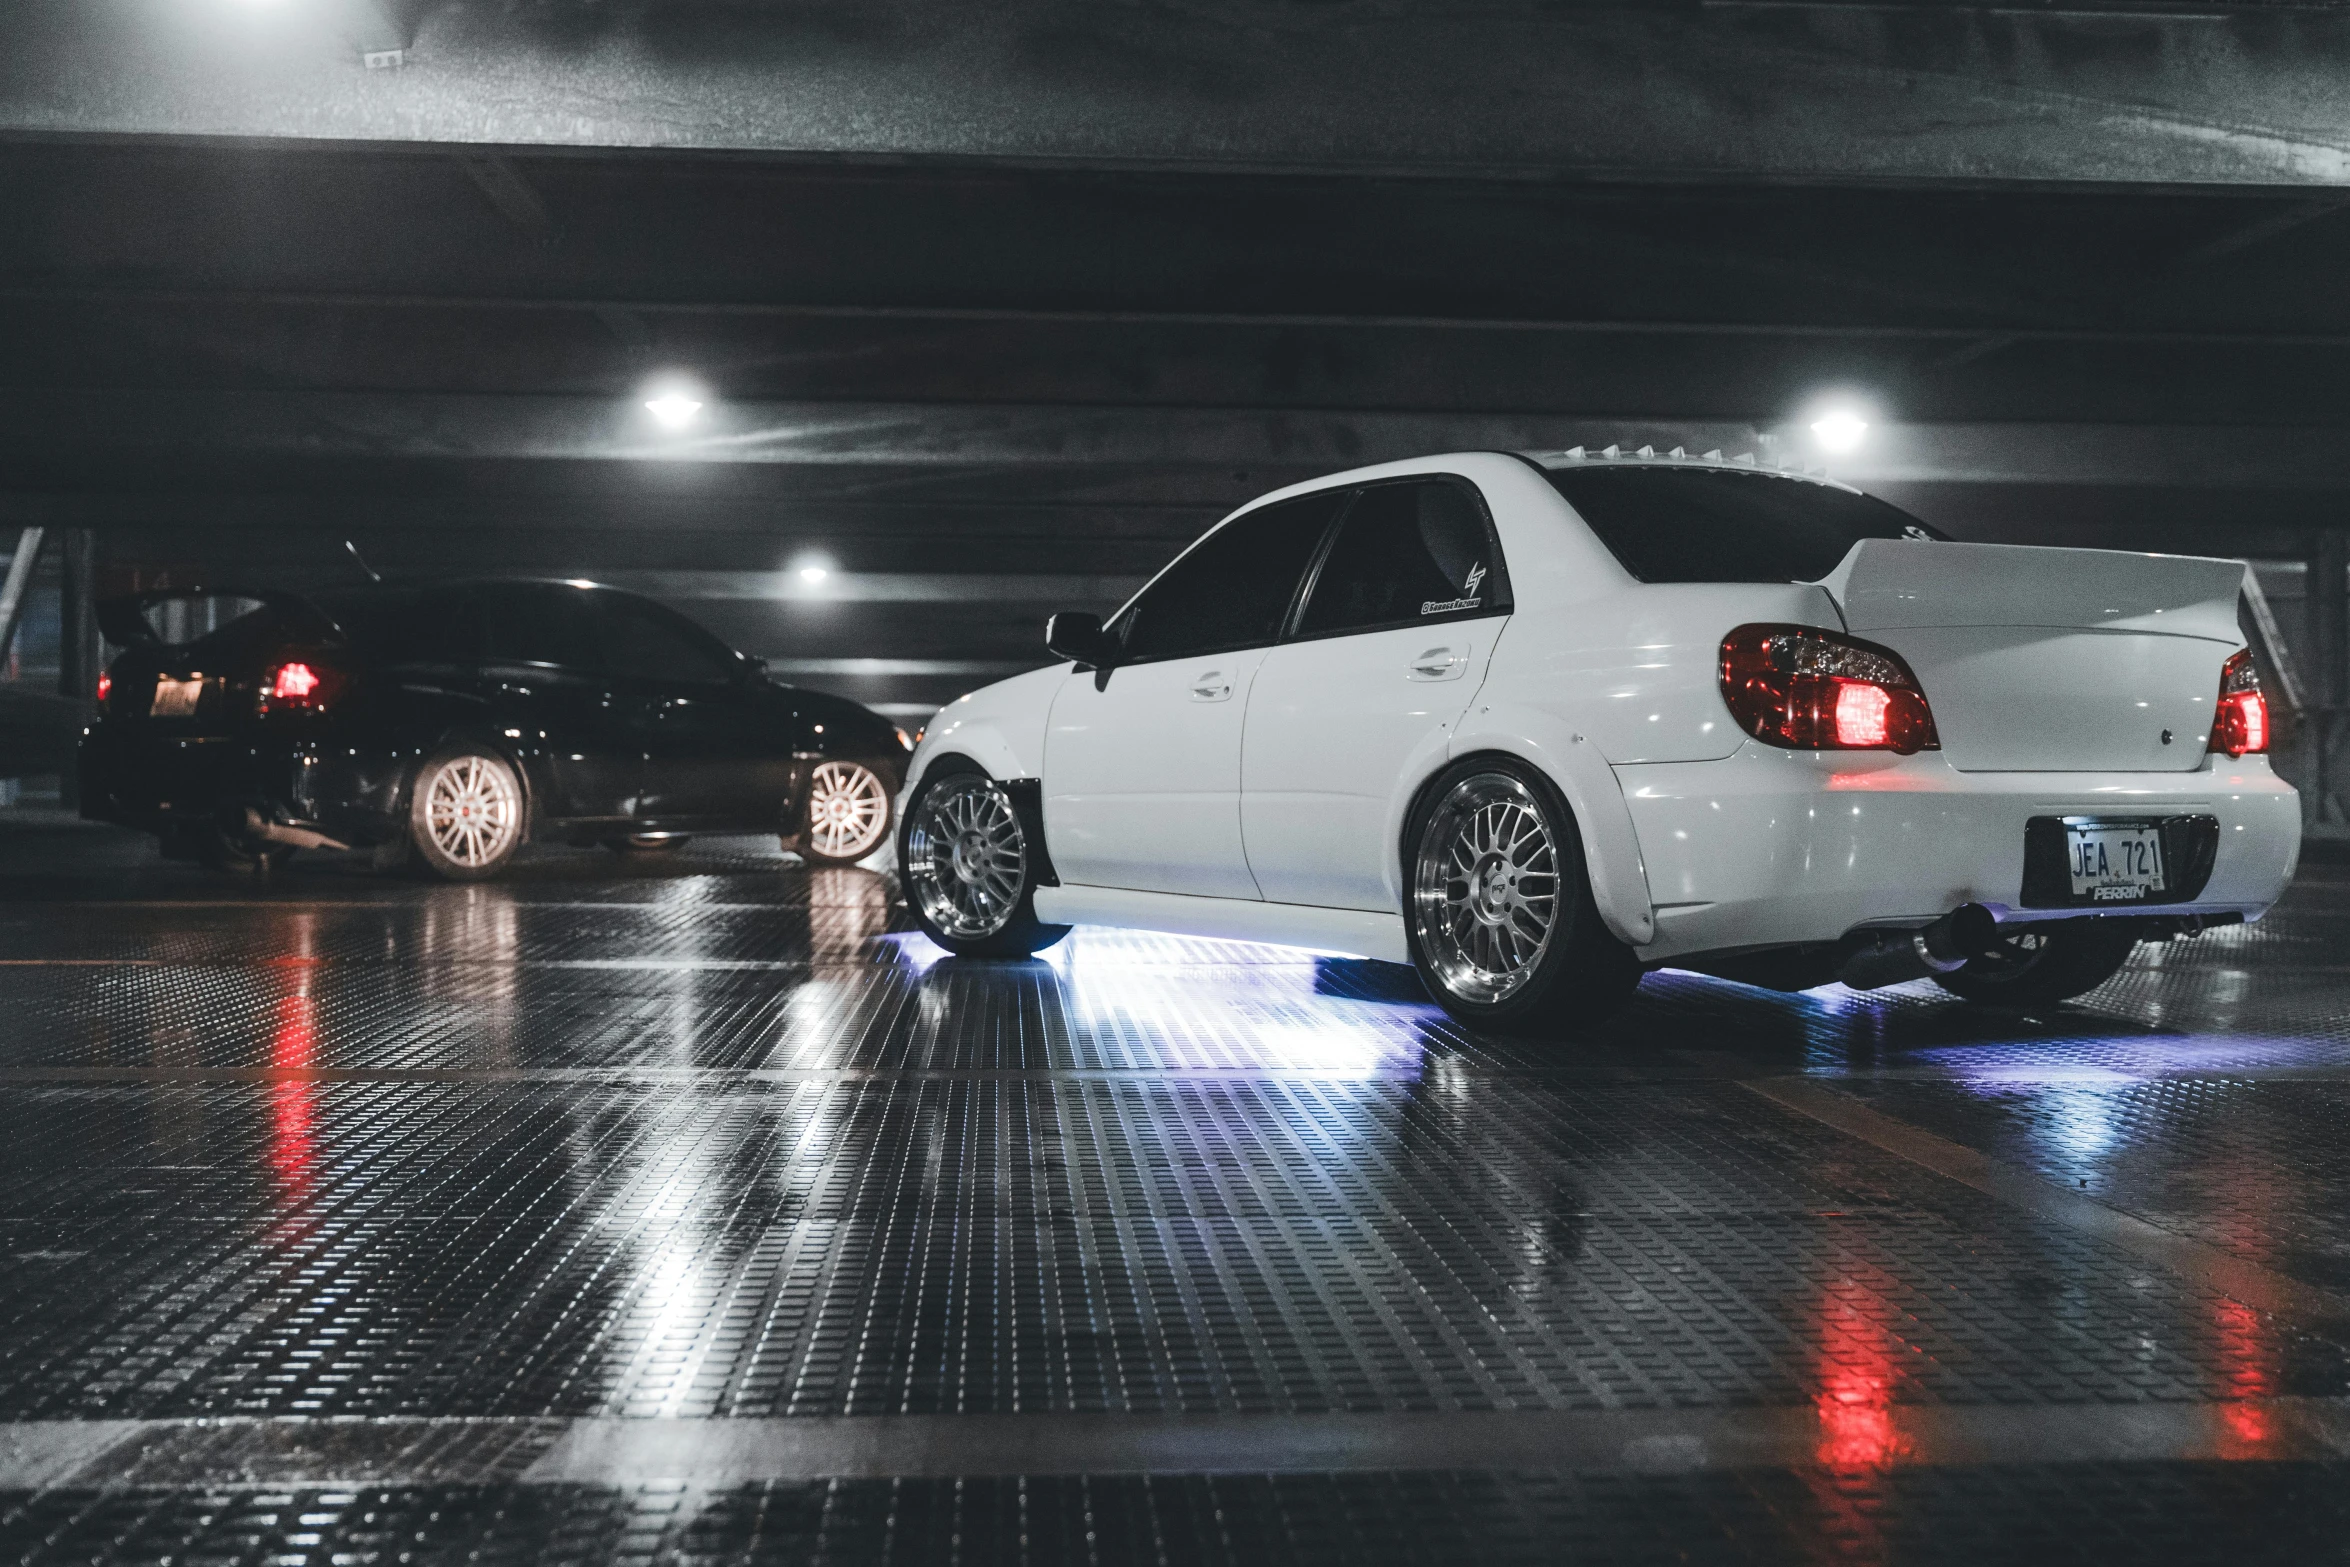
(1137, 998)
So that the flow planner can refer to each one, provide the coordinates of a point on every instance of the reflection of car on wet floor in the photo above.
(1537, 724)
(454, 721)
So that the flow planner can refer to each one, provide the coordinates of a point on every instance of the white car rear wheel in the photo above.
(1500, 918)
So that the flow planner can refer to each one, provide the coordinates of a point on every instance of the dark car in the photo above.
(455, 721)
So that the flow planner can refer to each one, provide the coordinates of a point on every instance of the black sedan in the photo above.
(452, 722)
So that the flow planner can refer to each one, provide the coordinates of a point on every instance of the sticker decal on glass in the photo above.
(1469, 598)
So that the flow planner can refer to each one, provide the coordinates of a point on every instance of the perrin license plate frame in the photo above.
(2190, 849)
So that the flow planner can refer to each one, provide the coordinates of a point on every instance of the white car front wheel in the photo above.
(1500, 917)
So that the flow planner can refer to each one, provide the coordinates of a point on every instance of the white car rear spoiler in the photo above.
(1886, 584)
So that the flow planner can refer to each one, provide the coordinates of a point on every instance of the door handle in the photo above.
(1439, 663)
(1212, 686)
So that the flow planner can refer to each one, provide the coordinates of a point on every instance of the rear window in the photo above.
(1712, 525)
(399, 625)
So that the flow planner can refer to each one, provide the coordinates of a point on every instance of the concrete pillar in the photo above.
(78, 650)
(2329, 616)
(2329, 739)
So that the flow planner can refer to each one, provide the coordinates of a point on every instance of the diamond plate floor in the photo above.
(695, 1211)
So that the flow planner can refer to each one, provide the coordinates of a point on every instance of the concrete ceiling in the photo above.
(1021, 297)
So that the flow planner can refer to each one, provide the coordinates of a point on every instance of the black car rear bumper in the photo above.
(168, 783)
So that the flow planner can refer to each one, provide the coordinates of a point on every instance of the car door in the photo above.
(1142, 759)
(716, 752)
(1390, 645)
(545, 670)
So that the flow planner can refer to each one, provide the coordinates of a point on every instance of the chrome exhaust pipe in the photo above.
(1892, 957)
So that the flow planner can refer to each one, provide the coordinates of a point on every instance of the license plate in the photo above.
(175, 698)
(2114, 863)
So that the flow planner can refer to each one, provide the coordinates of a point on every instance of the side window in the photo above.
(1406, 553)
(1235, 586)
(541, 625)
(647, 642)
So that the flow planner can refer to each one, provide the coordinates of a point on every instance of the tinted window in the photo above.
(1681, 525)
(647, 642)
(408, 625)
(1406, 552)
(1233, 589)
(540, 625)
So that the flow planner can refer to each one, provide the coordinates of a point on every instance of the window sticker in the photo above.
(1469, 598)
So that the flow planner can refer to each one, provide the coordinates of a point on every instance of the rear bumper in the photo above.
(1768, 847)
(166, 784)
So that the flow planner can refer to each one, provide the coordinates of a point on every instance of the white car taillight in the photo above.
(1814, 690)
(2242, 725)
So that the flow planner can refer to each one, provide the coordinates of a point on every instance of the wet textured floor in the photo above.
(686, 1209)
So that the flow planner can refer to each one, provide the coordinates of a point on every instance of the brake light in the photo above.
(2242, 725)
(105, 685)
(298, 687)
(1813, 690)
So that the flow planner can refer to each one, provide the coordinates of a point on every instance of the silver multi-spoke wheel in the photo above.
(966, 857)
(472, 810)
(1485, 888)
(848, 811)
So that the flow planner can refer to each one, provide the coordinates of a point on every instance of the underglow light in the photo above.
(1840, 430)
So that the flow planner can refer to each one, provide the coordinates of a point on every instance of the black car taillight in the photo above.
(301, 686)
(1813, 690)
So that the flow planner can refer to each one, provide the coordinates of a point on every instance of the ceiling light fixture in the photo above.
(1840, 430)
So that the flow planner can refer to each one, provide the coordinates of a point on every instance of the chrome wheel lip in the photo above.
(472, 810)
(848, 810)
(966, 857)
(1486, 884)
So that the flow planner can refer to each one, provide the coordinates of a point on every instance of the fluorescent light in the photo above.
(1840, 430)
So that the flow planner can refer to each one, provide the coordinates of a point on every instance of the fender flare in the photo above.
(1611, 848)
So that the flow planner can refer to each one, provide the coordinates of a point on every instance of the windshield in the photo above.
(1721, 525)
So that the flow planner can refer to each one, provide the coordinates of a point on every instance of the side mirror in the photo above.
(1074, 634)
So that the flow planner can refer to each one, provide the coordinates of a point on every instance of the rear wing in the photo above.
(124, 618)
(1885, 584)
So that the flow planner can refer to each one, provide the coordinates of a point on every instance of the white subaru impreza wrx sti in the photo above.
(1537, 724)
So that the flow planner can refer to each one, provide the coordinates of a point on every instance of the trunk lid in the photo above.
(2052, 660)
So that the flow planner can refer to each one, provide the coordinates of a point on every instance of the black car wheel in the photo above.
(847, 813)
(2039, 964)
(465, 814)
(1498, 909)
(970, 878)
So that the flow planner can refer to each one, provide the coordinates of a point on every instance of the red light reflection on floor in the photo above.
(1855, 1401)
(2248, 1367)
(293, 1139)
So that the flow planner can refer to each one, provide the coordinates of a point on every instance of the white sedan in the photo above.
(1538, 724)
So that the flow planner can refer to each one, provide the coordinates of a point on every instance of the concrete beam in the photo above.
(1517, 88)
(45, 430)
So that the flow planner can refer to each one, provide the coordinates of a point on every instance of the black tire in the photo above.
(453, 848)
(976, 894)
(2042, 964)
(871, 790)
(648, 842)
(1476, 951)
